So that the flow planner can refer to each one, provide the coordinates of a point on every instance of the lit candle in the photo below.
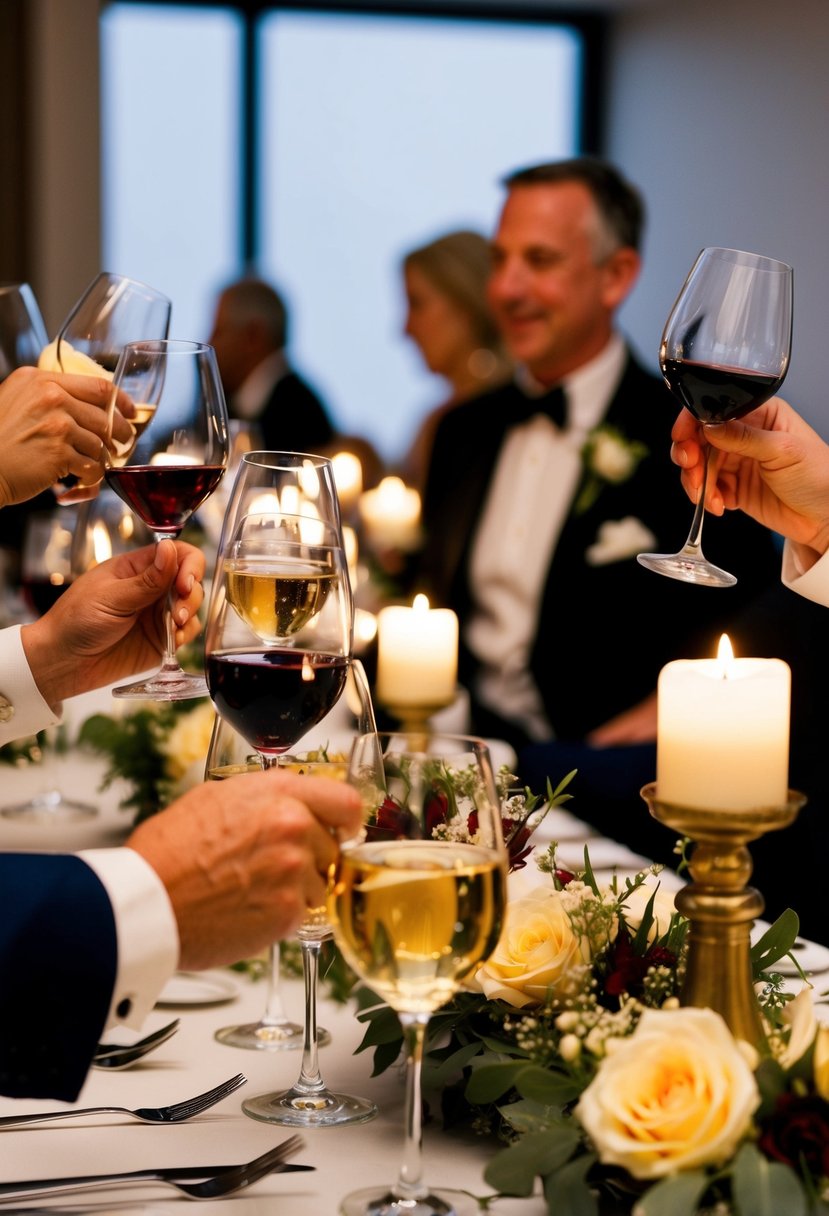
(391, 514)
(348, 478)
(723, 732)
(417, 656)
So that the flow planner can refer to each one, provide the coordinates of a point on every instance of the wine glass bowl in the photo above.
(22, 331)
(176, 462)
(725, 350)
(417, 905)
(112, 311)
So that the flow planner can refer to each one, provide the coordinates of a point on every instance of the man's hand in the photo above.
(53, 426)
(109, 623)
(242, 860)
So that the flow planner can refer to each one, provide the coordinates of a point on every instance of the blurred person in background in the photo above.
(250, 336)
(449, 320)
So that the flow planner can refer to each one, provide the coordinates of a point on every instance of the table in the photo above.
(192, 1061)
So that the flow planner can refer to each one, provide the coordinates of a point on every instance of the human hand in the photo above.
(772, 465)
(53, 426)
(635, 725)
(243, 859)
(109, 623)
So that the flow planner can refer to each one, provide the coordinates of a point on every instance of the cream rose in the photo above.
(187, 743)
(675, 1095)
(799, 1015)
(663, 907)
(538, 958)
(821, 1062)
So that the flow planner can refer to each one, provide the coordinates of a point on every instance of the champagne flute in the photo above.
(229, 754)
(112, 311)
(417, 906)
(309, 1102)
(22, 331)
(724, 351)
(176, 463)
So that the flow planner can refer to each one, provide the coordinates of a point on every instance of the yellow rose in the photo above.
(675, 1095)
(187, 743)
(538, 958)
(821, 1062)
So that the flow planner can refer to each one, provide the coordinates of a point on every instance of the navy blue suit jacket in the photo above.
(58, 958)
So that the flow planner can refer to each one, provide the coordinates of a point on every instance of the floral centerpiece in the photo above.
(571, 1048)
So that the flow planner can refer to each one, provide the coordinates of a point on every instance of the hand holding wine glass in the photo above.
(177, 461)
(724, 351)
(417, 906)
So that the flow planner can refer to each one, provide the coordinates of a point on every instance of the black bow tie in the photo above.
(553, 404)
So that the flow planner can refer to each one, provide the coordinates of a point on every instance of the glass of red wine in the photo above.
(724, 351)
(177, 461)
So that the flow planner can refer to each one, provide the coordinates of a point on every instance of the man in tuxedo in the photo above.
(250, 335)
(541, 493)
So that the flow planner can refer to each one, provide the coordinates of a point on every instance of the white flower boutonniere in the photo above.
(610, 458)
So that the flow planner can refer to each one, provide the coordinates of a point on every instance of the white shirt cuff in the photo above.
(146, 930)
(811, 581)
(17, 685)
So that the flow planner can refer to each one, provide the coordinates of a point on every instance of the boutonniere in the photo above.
(610, 458)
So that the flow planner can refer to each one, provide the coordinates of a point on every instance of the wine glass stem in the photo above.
(409, 1184)
(310, 1080)
(274, 1014)
(169, 662)
(693, 544)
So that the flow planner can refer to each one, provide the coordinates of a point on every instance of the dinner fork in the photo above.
(176, 1113)
(121, 1055)
(214, 1181)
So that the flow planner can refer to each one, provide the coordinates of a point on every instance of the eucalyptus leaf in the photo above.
(566, 1189)
(777, 941)
(489, 1081)
(513, 1171)
(765, 1188)
(676, 1196)
(440, 1073)
(545, 1085)
(524, 1115)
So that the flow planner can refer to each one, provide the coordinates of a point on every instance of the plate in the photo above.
(198, 988)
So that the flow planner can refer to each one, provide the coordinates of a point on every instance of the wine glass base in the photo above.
(687, 568)
(374, 1202)
(258, 1036)
(50, 807)
(165, 686)
(291, 1108)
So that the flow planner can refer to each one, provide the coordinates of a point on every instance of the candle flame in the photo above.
(420, 603)
(725, 657)
(101, 543)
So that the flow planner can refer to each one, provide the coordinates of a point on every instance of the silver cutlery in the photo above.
(122, 1055)
(176, 1113)
(214, 1181)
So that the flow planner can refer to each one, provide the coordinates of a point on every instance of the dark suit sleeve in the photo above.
(58, 958)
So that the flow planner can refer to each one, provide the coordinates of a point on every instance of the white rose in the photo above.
(611, 458)
(539, 957)
(188, 741)
(662, 910)
(799, 1014)
(821, 1062)
(676, 1094)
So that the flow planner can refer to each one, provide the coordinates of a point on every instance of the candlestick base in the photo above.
(720, 905)
(415, 719)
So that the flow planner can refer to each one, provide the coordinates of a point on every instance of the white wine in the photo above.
(415, 918)
(276, 600)
(144, 414)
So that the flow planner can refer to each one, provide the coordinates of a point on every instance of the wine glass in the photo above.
(416, 906)
(724, 351)
(228, 755)
(309, 1102)
(22, 332)
(104, 527)
(177, 461)
(46, 572)
(112, 311)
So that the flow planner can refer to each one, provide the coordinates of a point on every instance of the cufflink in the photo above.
(6, 709)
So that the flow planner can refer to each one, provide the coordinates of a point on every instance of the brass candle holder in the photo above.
(720, 905)
(414, 719)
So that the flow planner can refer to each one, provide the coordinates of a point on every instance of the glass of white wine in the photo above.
(416, 906)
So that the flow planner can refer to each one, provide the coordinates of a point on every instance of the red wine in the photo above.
(272, 697)
(715, 394)
(165, 495)
(41, 593)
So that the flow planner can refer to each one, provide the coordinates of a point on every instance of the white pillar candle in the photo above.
(723, 732)
(417, 656)
(391, 515)
(348, 478)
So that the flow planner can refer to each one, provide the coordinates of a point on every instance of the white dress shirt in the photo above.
(802, 574)
(146, 930)
(533, 483)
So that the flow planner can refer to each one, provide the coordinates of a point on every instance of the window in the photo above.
(374, 133)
